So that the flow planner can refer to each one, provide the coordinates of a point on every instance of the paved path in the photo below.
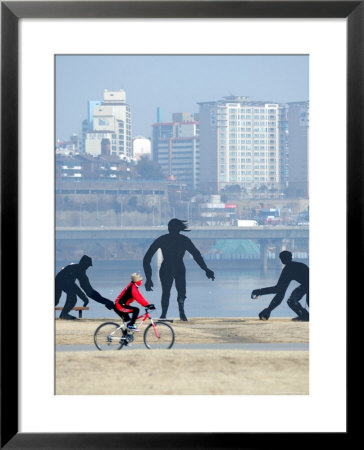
(255, 347)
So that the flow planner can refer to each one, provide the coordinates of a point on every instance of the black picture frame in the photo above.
(11, 13)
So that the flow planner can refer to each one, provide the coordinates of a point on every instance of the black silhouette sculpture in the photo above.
(173, 246)
(292, 271)
(66, 282)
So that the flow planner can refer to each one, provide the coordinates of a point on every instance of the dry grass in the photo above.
(200, 330)
(188, 372)
(182, 372)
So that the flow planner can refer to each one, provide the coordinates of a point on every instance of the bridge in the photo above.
(279, 237)
(150, 233)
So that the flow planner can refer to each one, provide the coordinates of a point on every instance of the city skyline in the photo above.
(173, 83)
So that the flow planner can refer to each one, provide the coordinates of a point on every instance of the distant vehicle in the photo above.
(269, 212)
(246, 223)
(268, 216)
(272, 220)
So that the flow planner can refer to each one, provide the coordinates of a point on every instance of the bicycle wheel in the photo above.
(108, 336)
(161, 335)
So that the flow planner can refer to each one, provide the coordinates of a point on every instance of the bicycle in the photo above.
(112, 336)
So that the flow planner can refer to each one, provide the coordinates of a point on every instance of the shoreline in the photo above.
(217, 263)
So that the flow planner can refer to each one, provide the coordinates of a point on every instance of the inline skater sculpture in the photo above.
(66, 282)
(173, 246)
(292, 271)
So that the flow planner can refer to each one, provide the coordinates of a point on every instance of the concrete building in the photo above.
(88, 167)
(87, 124)
(239, 144)
(176, 148)
(108, 126)
(283, 148)
(297, 164)
(217, 213)
(70, 147)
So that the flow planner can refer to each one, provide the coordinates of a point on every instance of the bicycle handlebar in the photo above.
(163, 320)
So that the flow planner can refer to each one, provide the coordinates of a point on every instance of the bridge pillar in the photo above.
(280, 245)
(263, 254)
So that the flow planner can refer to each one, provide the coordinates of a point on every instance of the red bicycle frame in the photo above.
(146, 316)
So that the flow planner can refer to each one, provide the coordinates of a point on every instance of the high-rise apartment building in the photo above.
(239, 144)
(283, 147)
(108, 126)
(297, 164)
(176, 148)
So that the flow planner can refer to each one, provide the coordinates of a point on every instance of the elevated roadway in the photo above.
(279, 237)
(150, 233)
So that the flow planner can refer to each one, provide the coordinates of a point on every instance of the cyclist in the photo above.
(128, 295)
(293, 271)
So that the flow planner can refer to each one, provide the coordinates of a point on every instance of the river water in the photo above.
(227, 296)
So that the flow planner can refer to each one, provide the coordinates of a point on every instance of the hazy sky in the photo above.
(172, 82)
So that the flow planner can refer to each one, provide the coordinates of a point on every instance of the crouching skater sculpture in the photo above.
(66, 282)
(293, 271)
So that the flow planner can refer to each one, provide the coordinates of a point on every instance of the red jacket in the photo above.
(129, 294)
